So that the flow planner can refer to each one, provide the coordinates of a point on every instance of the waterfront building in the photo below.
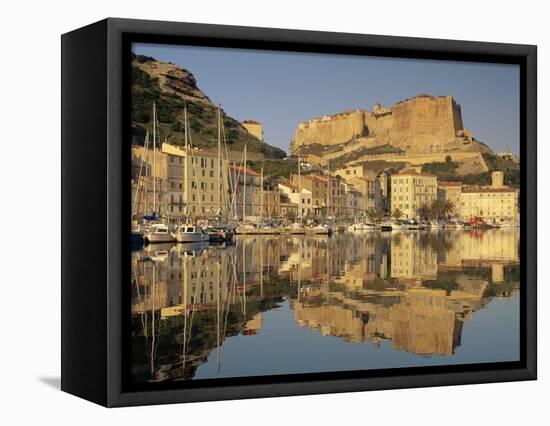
(251, 188)
(411, 189)
(371, 195)
(288, 208)
(451, 191)
(319, 188)
(494, 203)
(301, 197)
(197, 183)
(269, 202)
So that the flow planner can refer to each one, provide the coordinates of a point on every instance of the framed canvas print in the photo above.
(252, 212)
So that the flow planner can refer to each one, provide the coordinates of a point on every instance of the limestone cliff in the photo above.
(422, 125)
(171, 87)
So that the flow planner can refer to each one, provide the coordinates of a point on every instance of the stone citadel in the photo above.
(417, 126)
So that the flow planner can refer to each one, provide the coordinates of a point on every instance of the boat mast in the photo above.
(244, 186)
(186, 165)
(262, 193)
(328, 189)
(299, 190)
(219, 160)
(154, 159)
(148, 174)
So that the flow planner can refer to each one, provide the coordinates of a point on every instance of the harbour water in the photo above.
(286, 304)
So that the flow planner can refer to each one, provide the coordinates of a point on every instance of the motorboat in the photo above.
(158, 233)
(247, 229)
(297, 228)
(363, 227)
(190, 234)
(434, 224)
(386, 226)
(220, 233)
(412, 224)
(321, 229)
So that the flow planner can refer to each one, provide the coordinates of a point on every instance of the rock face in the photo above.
(421, 125)
(173, 88)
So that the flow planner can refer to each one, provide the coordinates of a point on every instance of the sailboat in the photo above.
(157, 232)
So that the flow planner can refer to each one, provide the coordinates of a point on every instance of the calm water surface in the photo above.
(299, 304)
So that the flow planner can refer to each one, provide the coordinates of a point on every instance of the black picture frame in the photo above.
(95, 203)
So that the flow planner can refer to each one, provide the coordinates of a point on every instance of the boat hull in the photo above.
(192, 238)
(158, 238)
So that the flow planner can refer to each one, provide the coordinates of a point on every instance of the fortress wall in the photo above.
(424, 122)
(330, 130)
(379, 125)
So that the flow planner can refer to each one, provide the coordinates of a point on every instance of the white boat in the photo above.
(318, 229)
(246, 229)
(396, 226)
(158, 233)
(359, 227)
(190, 234)
(436, 225)
(297, 228)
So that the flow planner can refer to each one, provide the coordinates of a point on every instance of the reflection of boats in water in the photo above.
(190, 234)
(158, 233)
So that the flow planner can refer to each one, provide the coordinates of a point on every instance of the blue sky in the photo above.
(280, 89)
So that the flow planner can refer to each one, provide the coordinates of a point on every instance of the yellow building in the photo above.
(255, 128)
(495, 203)
(411, 189)
(197, 183)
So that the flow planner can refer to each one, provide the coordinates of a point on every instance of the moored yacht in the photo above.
(158, 233)
(297, 228)
(190, 234)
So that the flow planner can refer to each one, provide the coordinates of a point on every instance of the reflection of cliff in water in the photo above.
(414, 290)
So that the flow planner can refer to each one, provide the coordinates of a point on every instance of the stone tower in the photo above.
(497, 179)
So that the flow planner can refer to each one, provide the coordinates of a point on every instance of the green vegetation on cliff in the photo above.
(446, 171)
(361, 152)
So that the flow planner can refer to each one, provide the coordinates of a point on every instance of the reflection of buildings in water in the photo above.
(254, 325)
(483, 247)
(411, 259)
(419, 319)
(415, 289)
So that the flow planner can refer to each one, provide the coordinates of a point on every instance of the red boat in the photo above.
(477, 222)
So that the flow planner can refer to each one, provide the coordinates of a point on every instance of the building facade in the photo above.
(411, 189)
(494, 203)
